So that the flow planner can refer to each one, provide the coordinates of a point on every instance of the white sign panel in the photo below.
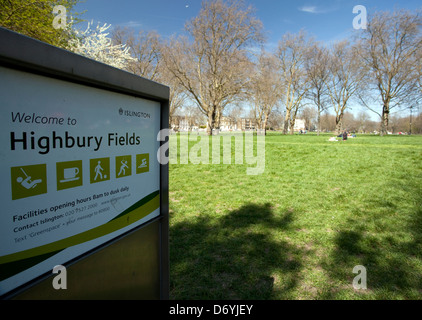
(78, 169)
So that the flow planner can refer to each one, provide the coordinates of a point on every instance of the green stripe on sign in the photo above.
(11, 268)
(134, 213)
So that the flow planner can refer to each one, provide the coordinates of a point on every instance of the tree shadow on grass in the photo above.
(391, 254)
(233, 256)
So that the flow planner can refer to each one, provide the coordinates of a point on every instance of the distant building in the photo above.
(231, 124)
(228, 124)
(299, 125)
(183, 123)
(247, 124)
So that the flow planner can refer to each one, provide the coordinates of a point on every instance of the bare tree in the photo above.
(145, 48)
(419, 76)
(346, 77)
(291, 54)
(363, 122)
(317, 67)
(265, 89)
(328, 121)
(193, 116)
(178, 95)
(308, 114)
(235, 112)
(350, 122)
(389, 48)
(214, 68)
(275, 121)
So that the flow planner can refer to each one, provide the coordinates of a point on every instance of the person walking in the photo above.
(98, 170)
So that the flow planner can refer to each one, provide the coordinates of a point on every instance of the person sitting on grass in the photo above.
(344, 135)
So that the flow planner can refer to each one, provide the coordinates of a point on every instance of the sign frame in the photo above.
(25, 54)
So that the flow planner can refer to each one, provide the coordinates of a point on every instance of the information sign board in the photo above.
(79, 168)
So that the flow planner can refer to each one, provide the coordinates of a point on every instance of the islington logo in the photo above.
(131, 113)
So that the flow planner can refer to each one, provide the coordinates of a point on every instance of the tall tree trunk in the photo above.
(265, 124)
(319, 116)
(292, 125)
(258, 122)
(286, 121)
(217, 119)
(293, 120)
(339, 123)
(319, 121)
(384, 119)
(211, 121)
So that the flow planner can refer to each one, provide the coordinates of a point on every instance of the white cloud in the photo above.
(317, 10)
(310, 9)
(131, 24)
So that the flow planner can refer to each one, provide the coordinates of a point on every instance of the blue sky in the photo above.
(326, 20)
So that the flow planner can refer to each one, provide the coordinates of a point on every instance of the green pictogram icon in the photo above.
(123, 166)
(69, 174)
(99, 169)
(28, 181)
(142, 163)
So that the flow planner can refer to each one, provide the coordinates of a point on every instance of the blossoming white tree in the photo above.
(95, 44)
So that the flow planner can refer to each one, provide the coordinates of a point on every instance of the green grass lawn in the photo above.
(298, 230)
